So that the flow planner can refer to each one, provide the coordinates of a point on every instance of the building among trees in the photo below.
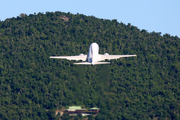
(75, 110)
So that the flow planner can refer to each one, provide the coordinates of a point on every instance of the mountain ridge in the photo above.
(144, 87)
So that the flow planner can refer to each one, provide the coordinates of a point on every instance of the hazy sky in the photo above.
(152, 15)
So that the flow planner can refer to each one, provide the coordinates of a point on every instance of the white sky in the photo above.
(153, 15)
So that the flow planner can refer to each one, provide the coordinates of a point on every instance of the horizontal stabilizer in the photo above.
(83, 63)
(88, 63)
(96, 63)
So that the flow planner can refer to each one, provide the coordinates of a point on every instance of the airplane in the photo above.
(93, 58)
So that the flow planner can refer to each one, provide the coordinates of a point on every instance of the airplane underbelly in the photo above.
(90, 59)
(93, 52)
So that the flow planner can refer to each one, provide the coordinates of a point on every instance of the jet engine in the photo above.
(81, 54)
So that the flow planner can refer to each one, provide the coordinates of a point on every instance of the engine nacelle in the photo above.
(106, 54)
(81, 54)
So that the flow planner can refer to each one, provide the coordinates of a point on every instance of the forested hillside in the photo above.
(32, 86)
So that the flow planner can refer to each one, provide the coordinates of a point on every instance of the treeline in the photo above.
(32, 86)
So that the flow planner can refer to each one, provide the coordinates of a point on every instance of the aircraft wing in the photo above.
(77, 57)
(109, 57)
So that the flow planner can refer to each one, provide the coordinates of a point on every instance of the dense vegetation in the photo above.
(142, 87)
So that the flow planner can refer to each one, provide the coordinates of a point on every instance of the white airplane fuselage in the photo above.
(93, 53)
(93, 58)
